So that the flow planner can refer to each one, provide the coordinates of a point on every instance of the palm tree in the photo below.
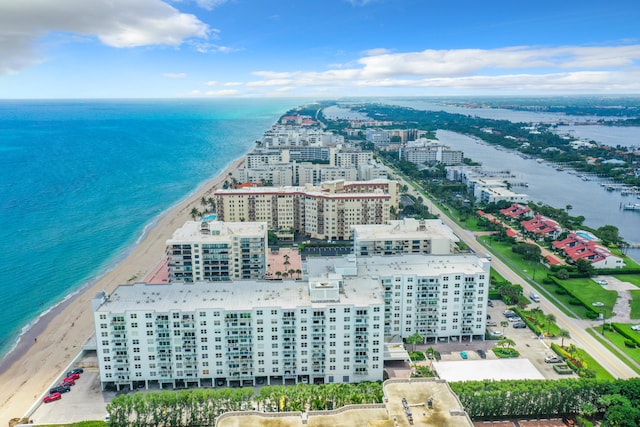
(415, 339)
(536, 312)
(550, 318)
(298, 272)
(506, 342)
(563, 333)
(211, 201)
(195, 213)
(504, 324)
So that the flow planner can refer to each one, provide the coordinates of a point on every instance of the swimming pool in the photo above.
(586, 235)
(209, 218)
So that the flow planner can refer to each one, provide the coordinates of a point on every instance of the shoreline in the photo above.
(57, 336)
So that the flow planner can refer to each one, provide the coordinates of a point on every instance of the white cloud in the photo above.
(116, 23)
(564, 69)
(175, 75)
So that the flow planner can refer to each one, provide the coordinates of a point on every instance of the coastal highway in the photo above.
(576, 327)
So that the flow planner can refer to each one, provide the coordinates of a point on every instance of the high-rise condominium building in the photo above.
(331, 327)
(217, 251)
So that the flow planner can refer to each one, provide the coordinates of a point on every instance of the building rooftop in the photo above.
(445, 410)
(229, 296)
(371, 267)
(407, 228)
(215, 230)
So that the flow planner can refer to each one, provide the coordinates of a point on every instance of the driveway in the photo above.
(622, 307)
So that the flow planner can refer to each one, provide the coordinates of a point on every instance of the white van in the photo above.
(534, 297)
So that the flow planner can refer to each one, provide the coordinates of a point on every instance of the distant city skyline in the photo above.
(319, 50)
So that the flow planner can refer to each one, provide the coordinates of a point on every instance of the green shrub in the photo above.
(622, 330)
(586, 373)
(562, 369)
(561, 291)
(575, 301)
(630, 343)
(592, 314)
(417, 355)
(504, 353)
(583, 422)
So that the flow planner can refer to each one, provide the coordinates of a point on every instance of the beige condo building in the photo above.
(325, 212)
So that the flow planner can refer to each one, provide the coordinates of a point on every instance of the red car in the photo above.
(73, 375)
(52, 397)
(69, 381)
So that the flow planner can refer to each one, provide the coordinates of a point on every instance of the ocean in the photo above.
(82, 180)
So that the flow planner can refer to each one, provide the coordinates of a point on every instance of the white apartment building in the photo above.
(441, 297)
(430, 153)
(241, 333)
(296, 136)
(488, 195)
(314, 174)
(406, 236)
(350, 158)
(332, 327)
(325, 212)
(217, 251)
(278, 174)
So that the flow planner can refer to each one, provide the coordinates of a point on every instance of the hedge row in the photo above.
(535, 328)
(623, 331)
(592, 314)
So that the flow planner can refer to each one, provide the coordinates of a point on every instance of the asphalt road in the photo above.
(576, 327)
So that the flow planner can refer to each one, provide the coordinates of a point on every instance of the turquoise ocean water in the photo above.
(81, 181)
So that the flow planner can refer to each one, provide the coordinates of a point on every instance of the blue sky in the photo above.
(317, 49)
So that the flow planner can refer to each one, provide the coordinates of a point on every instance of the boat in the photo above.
(631, 207)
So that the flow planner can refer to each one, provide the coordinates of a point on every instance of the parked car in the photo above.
(496, 333)
(514, 319)
(69, 381)
(597, 304)
(490, 303)
(62, 388)
(509, 313)
(553, 359)
(73, 375)
(602, 282)
(482, 354)
(77, 371)
(492, 323)
(635, 328)
(519, 325)
(52, 397)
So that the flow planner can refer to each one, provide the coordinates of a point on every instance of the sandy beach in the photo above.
(53, 342)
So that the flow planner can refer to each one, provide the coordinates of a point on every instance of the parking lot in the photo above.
(527, 343)
(84, 402)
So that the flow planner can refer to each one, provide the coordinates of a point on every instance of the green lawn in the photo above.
(635, 304)
(588, 291)
(615, 343)
(601, 373)
(634, 279)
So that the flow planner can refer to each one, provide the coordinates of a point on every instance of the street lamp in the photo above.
(604, 320)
